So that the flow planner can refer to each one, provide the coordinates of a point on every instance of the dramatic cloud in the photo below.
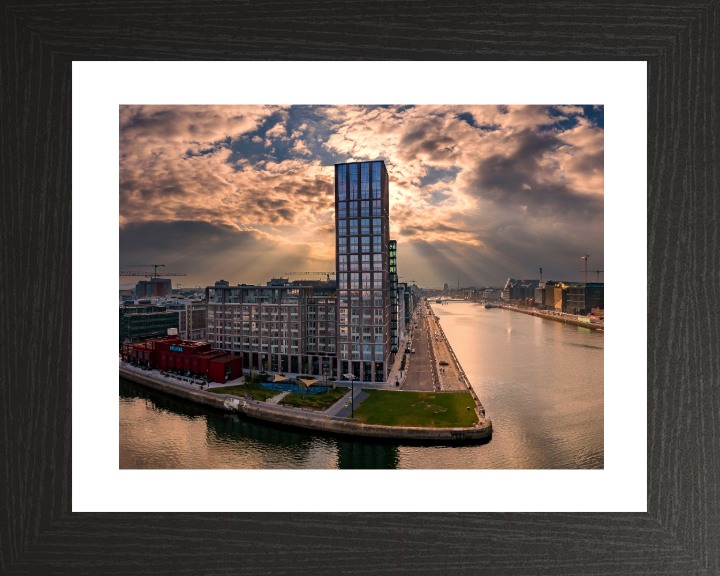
(484, 192)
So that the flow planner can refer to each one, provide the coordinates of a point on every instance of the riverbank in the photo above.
(561, 319)
(456, 367)
(309, 419)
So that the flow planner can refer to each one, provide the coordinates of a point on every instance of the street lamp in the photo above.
(352, 379)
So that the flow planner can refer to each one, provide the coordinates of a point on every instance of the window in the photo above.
(353, 262)
(366, 352)
(378, 300)
(378, 353)
(342, 278)
(377, 226)
(342, 262)
(353, 227)
(353, 245)
(353, 182)
(376, 208)
(354, 280)
(377, 261)
(342, 213)
(353, 210)
(367, 299)
(366, 280)
(366, 243)
(342, 227)
(366, 262)
(377, 243)
(365, 226)
(378, 284)
(365, 204)
(343, 298)
(365, 180)
(341, 182)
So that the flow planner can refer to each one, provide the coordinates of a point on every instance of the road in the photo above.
(419, 375)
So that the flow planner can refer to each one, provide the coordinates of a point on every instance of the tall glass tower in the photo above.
(393, 281)
(362, 233)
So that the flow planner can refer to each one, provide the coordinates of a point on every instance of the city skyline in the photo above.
(245, 193)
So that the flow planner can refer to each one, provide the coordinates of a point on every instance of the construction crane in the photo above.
(598, 272)
(154, 274)
(328, 274)
(586, 259)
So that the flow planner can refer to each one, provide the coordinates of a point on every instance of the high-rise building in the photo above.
(393, 278)
(362, 269)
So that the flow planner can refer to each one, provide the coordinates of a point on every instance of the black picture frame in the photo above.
(681, 530)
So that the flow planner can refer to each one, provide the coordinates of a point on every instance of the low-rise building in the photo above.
(555, 296)
(187, 357)
(582, 297)
(140, 320)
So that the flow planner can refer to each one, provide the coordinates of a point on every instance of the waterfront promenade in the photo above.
(423, 374)
(303, 418)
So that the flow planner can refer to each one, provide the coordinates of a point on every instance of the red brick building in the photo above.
(187, 357)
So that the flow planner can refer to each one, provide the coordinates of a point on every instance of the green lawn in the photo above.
(319, 401)
(257, 392)
(417, 409)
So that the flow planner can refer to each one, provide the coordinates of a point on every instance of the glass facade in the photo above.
(393, 288)
(362, 215)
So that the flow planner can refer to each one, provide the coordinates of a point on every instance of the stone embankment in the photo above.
(556, 318)
(279, 415)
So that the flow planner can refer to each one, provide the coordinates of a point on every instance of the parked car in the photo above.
(413, 350)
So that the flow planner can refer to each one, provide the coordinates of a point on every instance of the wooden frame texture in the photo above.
(680, 534)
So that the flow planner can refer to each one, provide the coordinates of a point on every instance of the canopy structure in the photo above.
(308, 383)
(279, 378)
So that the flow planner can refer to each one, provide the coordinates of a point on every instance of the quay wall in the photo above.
(555, 318)
(345, 427)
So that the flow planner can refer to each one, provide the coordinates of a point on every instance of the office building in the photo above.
(139, 321)
(153, 287)
(582, 297)
(555, 296)
(362, 269)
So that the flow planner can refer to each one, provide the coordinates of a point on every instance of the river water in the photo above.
(541, 383)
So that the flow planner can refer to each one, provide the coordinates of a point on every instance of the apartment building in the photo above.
(362, 239)
(279, 328)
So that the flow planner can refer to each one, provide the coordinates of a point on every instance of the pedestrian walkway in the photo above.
(339, 409)
(278, 398)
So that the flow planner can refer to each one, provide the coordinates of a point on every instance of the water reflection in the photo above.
(540, 381)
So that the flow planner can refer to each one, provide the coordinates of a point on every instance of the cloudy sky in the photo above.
(245, 193)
